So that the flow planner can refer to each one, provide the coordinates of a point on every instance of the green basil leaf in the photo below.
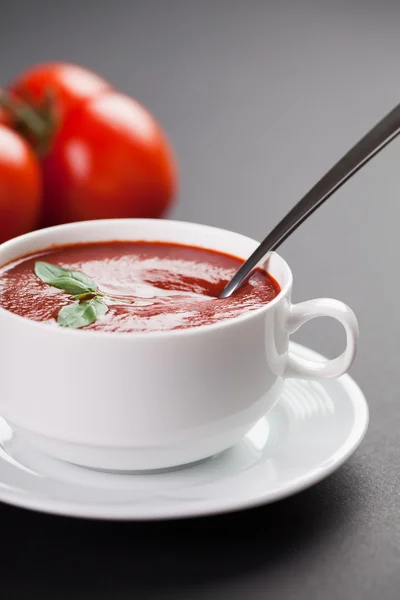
(72, 282)
(100, 306)
(84, 313)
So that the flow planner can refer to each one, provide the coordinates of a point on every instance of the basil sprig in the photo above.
(87, 304)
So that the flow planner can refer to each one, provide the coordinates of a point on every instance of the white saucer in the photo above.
(314, 428)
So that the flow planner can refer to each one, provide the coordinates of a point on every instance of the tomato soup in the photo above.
(142, 286)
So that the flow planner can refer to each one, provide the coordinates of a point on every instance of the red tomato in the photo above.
(20, 188)
(4, 118)
(110, 159)
(102, 154)
(64, 84)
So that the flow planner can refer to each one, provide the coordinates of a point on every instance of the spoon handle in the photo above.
(372, 143)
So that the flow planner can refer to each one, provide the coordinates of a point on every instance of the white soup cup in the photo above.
(152, 400)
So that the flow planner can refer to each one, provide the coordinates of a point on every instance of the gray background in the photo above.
(259, 99)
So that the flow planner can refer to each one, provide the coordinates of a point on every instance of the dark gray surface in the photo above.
(259, 98)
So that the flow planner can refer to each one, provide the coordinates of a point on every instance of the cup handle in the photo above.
(299, 314)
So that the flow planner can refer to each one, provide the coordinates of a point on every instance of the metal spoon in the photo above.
(372, 143)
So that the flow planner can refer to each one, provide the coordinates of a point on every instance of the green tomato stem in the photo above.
(21, 111)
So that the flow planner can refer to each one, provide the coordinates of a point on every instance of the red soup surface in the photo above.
(168, 286)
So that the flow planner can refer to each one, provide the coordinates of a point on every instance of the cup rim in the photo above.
(129, 335)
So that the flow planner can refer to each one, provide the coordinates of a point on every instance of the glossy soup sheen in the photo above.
(172, 286)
